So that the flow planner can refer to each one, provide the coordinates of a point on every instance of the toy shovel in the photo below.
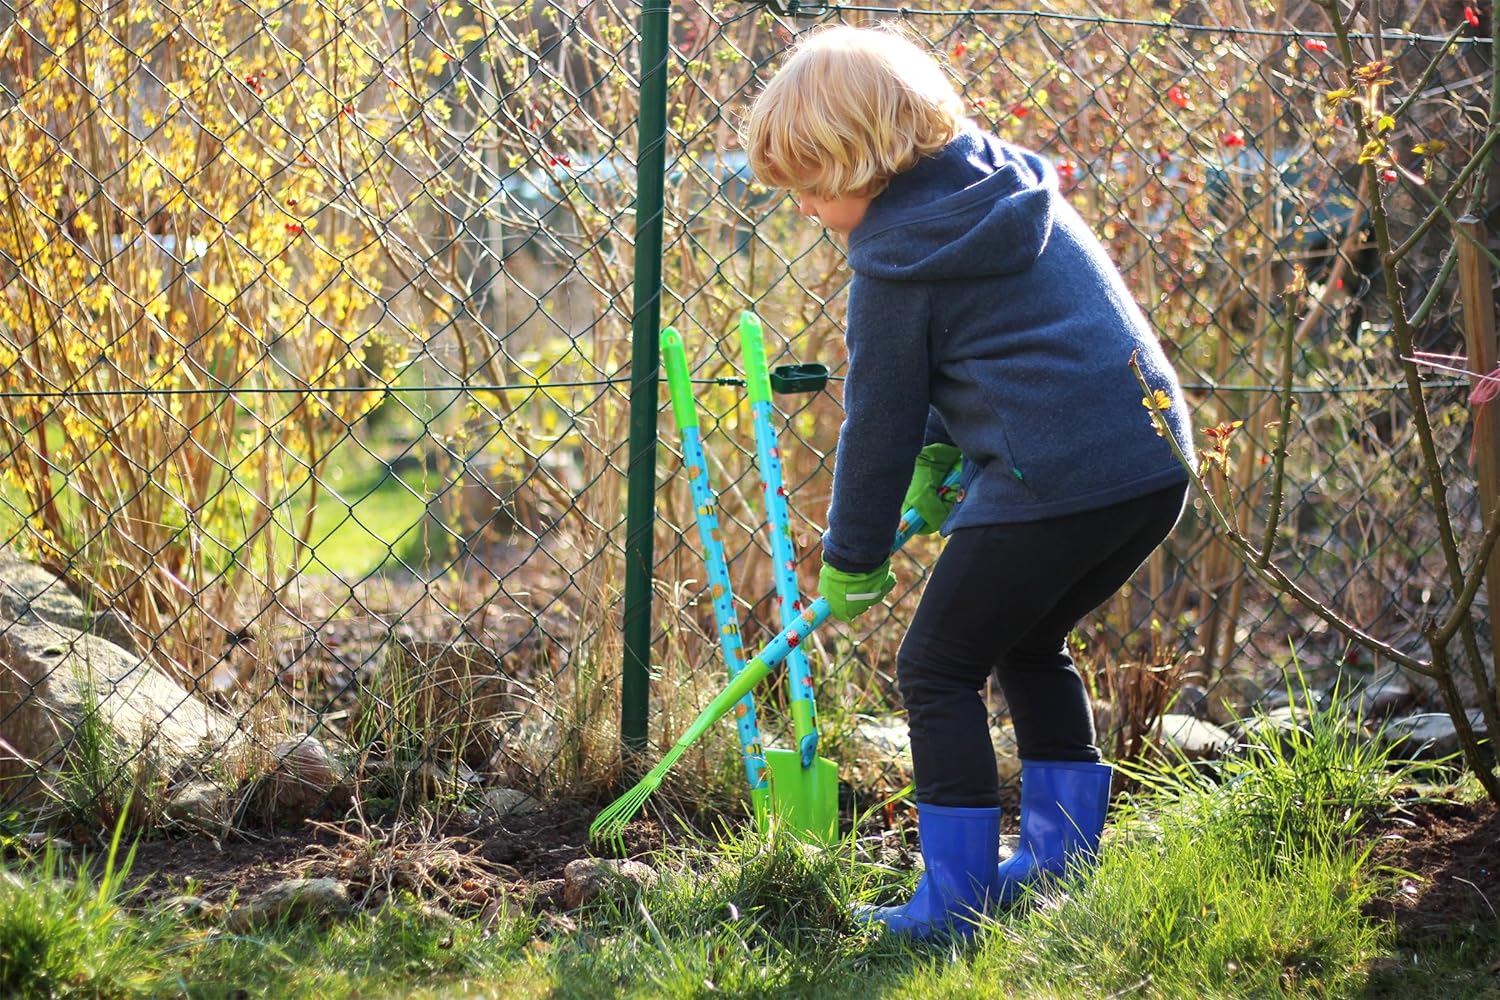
(804, 786)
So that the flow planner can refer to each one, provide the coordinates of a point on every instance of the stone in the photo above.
(200, 804)
(588, 879)
(33, 595)
(50, 675)
(304, 779)
(879, 754)
(1193, 699)
(509, 802)
(1231, 698)
(188, 906)
(546, 894)
(317, 899)
(1193, 738)
(1430, 735)
(1007, 757)
(1270, 724)
(1381, 697)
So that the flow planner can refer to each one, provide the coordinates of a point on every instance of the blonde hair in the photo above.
(850, 109)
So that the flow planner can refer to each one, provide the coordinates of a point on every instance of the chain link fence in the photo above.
(315, 357)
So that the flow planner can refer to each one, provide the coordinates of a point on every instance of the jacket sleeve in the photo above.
(886, 390)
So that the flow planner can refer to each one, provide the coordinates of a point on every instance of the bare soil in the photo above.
(1446, 856)
(511, 854)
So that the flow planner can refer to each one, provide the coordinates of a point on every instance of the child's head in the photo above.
(850, 109)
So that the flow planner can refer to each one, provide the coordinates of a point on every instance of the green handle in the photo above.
(753, 345)
(674, 360)
(752, 674)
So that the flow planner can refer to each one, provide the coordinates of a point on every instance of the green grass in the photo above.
(1241, 882)
(62, 935)
(374, 516)
(366, 516)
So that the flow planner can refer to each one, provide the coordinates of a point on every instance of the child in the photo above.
(987, 324)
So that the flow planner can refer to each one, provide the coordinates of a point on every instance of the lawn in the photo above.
(1276, 873)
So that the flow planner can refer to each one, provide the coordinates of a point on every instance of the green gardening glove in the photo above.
(852, 594)
(934, 462)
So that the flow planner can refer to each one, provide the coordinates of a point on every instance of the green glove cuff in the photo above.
(852, 594)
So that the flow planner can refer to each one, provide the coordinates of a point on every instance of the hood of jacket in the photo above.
(980, 206)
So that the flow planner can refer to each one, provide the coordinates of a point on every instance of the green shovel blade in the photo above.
(805, 800)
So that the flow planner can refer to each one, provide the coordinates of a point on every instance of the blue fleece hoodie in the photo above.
(983, 312)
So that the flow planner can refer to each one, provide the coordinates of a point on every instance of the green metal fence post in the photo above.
(640, 503)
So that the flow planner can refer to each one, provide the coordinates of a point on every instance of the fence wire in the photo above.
(315, 369)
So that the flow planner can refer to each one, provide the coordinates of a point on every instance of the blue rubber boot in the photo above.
(959, 848)
(1063, 803)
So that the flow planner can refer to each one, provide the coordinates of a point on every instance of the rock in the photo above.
(879, 754)
(1271, 724)
(1194, 739)
(1231, 698)
(318, 899)
(1193, 699)
(436, 915)
(1430, 735)
(305, 779)
(1278, 724)
(189, 906)
(888, 734)
(32, 595)
(586, 879)
(200, 804)
(1384, 695)
(509, 802)
(51, 674)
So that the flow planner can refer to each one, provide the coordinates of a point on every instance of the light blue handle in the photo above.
(783, 551)
(706, 512)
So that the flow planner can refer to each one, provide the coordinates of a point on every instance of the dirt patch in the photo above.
(515, 851)
(1450, 852)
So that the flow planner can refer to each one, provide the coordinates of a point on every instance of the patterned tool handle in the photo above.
(783, 552)
(705, 505)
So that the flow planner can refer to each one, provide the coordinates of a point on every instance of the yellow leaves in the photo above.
(1373, 74)
(1372, 150)
(1334, 98)
(1385, 124)
(98, 296)
(222, 292)
(1158, 400)
(1429, 147)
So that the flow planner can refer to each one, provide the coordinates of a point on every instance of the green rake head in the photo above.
(609, 825)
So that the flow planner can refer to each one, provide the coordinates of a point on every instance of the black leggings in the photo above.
(1004, 598)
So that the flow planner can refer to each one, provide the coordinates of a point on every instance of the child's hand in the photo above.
(933, 465)
(852, 594)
